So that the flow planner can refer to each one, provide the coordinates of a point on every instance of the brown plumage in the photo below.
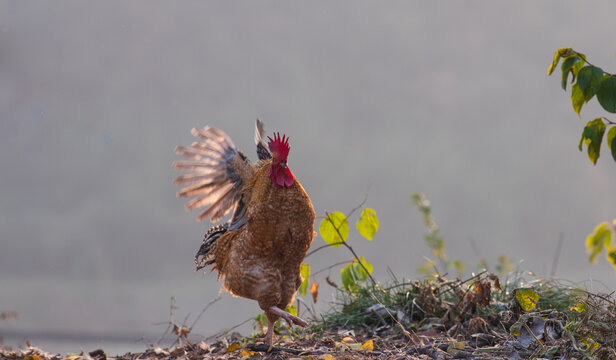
(258, 253)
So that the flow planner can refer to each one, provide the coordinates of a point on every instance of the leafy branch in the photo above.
(334, 229)
(587, 81)
(434, 239)
(437, 244)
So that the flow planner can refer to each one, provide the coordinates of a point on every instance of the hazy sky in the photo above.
(451, 99)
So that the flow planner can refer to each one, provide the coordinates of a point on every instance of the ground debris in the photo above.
(471, 319)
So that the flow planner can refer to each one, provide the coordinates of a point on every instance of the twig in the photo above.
(398, 285)
(266, 349)
(610, 122)
(328, 268)
(300, 300)
(607, 299)
(323, 247)
(204, 309)
(170, 323)
(533, 334)
(404, 331)
(449, 283)
(361, 204)
(226, 331)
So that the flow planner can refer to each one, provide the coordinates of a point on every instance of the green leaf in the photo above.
(557, 55)
(359, 272)
(348, 282)
(580, 307)
(611, 141)
(597, 240)
(607, 93)
(593, 135)
(353, 273)
(291, 309)
(334, 229)
(571, 64)
(527, 298)
(577, 98)
(611, 257)
(304, 271)
(589, 79)
(581, 142)
(368, 223)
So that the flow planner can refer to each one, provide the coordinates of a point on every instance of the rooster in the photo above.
(258, 252)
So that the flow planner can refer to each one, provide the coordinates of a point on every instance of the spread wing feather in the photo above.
(217, 172)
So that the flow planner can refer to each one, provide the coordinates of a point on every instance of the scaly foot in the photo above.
(291, 319)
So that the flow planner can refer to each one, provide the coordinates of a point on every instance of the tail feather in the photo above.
(206, 187)
(262, 151)
(197, 153)
(219, 208)
(208, 196)
(190, 179)
(212, 174)
(186, 165)
(206, 251)
(215, 138)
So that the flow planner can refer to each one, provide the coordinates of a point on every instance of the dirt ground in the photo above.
(327, 347)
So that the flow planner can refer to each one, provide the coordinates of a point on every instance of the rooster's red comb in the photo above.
(279, 146)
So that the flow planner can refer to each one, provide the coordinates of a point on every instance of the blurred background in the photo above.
(451, 99)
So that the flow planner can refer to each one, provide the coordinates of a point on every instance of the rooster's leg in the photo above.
(269, 334)
(291, 319)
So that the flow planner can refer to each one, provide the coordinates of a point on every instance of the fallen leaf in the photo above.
(247, 353)
(355, 346)
(328, 357)
(160, 351)
(455, 346)
(527, 298)
(72, 357)
(233, 347)
(368, 345)
(348, 340)
(32, 357)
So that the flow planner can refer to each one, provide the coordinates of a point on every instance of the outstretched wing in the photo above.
(216, 174)
(262, 151)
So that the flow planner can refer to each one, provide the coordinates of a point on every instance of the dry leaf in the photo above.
(73, 357)
(348, 340)
(246, 353)
(233, 347)
(455, 346)
(314, 290)
(368, 345)
(355, 346)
